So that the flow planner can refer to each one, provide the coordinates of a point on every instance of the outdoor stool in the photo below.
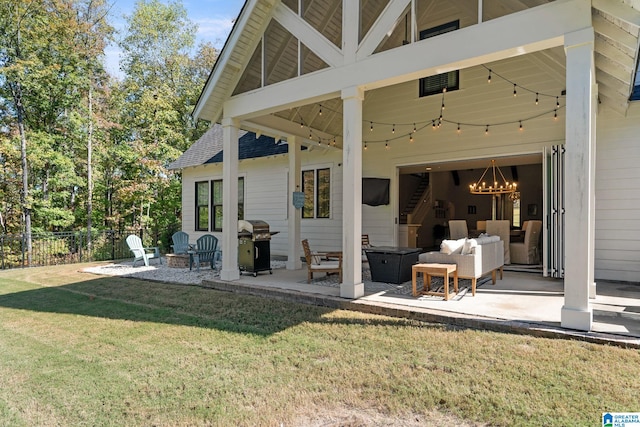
(429, 270)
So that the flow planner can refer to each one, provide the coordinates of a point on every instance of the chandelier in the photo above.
(497, 185)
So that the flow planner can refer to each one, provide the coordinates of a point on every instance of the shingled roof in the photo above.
(208, 149)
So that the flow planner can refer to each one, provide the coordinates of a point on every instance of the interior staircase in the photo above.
(419, 205)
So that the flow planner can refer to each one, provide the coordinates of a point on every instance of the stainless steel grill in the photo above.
(255, 229)
(254, 251)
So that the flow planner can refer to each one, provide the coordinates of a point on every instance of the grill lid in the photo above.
(253, 226)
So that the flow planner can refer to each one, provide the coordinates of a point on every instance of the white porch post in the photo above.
(230, 200)
(579, 185)
(352, 286)
(294, 215)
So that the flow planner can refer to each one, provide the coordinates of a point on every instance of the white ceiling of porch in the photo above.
(616, 24)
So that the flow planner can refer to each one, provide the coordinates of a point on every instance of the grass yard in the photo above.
(78, 349)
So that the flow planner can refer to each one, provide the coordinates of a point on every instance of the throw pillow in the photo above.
(452, 246)
(468, 247)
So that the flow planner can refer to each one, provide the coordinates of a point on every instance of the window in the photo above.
(216, 202)
(451, 80)
(202, 206)
(316, 185)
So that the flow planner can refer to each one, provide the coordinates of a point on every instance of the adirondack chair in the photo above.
(206, 251)
(180, 242)
(141, 253)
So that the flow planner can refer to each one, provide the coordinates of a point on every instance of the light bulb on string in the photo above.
(459, 131)
(557, 102)
(486, 130)
(334, 141)
(555, 114)
(410, 137)
(489, 78)
(414, 128)
(301, 124)
(371, 128)
(386, 145)
(521, 129)
(365, 145)
(320, 112)
(536, 98)
(433, 124)
(393, 129)
(515, 93)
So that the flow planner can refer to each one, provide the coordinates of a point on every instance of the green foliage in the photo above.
(52, 76)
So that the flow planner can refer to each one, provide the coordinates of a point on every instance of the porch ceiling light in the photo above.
(497, 185)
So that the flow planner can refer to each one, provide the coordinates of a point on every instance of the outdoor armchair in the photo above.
(180, 242)
(141, 253)
(322, 262)
(206, 251)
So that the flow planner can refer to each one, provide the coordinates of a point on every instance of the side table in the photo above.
(429, 270)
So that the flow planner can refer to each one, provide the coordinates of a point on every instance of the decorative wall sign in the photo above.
(298, 199)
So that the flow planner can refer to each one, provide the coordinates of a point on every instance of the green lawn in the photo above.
(78, 349)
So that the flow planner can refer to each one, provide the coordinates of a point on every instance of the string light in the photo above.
(438, 122)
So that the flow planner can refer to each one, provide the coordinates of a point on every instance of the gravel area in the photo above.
(162, 272)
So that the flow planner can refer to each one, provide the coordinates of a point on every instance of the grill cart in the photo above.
(254, 251)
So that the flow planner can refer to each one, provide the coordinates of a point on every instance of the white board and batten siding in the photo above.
(617, 239)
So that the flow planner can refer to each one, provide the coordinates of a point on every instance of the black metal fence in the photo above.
(66, 247)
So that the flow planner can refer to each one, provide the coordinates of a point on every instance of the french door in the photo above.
(553, 236)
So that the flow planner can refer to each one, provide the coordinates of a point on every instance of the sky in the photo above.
(213, 17)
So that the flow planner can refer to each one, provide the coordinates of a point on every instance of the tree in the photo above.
(161, 87)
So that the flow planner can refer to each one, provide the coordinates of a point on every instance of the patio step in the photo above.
(630, 313)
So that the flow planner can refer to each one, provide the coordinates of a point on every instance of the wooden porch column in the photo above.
(294, 215)
(352, 286)
(579, 184)
(230, 200)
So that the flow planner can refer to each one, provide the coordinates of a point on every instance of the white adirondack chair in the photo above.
(141, 253)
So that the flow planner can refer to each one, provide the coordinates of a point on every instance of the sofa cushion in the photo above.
(452, 246)
(484, 239)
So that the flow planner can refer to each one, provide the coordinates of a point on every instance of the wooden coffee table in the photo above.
(429, 270)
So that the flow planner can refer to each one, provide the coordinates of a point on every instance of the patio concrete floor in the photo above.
(520, 303)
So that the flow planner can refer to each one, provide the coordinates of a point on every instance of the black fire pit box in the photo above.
(390, 264)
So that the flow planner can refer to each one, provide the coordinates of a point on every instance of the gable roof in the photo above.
(208, 149)
(617, 33)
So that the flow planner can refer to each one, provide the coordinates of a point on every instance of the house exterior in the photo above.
(399, 89)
